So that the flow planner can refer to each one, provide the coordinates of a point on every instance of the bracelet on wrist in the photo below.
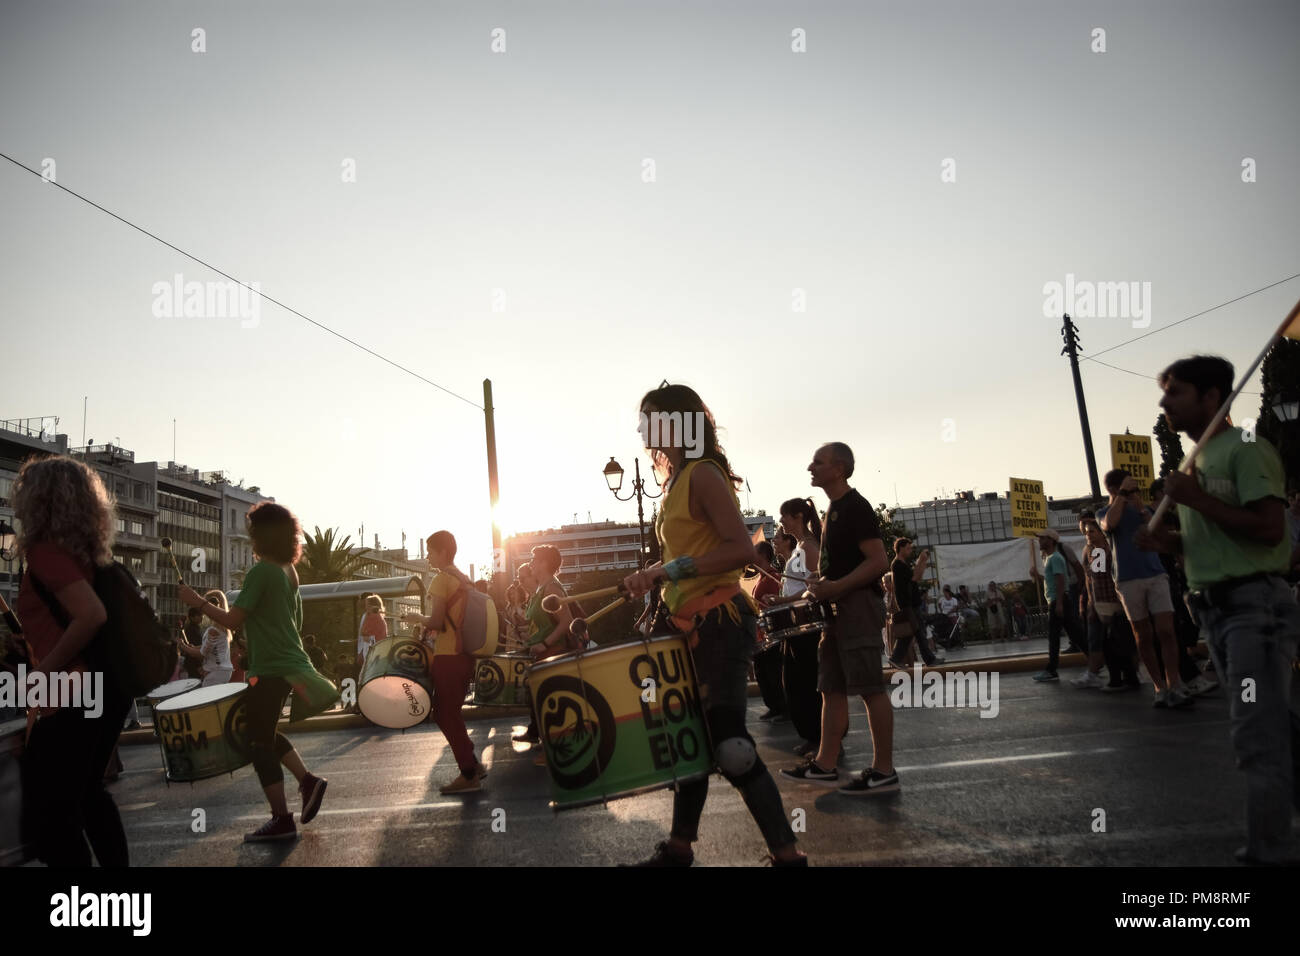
(680, 568)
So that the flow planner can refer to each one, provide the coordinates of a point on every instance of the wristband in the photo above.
(680, 568)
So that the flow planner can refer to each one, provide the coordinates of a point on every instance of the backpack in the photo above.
(133, 649)
(479, 630)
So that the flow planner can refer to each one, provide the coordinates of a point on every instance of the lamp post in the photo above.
(614, 478)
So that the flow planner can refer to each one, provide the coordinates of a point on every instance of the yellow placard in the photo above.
(1133, 454)
(1028, 507)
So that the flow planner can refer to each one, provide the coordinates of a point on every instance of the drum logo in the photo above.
(489, 680)
(236, 729)
(577, 729)
(415, 707)
(670, 720)
(410, 657)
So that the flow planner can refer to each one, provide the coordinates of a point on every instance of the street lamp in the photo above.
(614, 478)
(1286, 408)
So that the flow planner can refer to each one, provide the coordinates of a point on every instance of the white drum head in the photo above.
(393, 702)
(163, 691)
(203, 695)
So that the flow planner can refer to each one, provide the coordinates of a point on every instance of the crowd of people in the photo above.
(1223, 556)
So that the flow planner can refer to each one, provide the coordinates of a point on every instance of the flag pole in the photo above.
(1292, 317)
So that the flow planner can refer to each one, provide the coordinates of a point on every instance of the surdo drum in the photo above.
(499, 680)
(620, 720)
(203, 733)
(395, 689)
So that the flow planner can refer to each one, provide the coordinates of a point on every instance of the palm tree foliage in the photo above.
(328, 558)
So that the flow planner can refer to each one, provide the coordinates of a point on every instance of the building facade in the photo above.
(975, 520)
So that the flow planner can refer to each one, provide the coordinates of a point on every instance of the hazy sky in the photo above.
(523, 171)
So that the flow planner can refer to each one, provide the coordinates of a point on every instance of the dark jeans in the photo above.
(263, 703)
(1119, 650)
(722, 667)
(901, 644)
(799, 678)
(66, 759)
(767, 671)
(1055, 624)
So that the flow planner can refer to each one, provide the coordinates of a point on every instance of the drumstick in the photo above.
(167, 547)
(601, 613)
(792, 577)
(552, 603)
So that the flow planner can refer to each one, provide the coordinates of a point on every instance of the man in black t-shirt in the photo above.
(849, 661)
(908, 595)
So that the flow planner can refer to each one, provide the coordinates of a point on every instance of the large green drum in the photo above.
(620, 720)
(204, 733)
(499, 680)
(395, 690)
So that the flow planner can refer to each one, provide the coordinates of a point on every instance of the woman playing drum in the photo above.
(214, 652)
(269, 609)
(705, 546)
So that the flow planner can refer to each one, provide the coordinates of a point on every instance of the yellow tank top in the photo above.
(679, 534)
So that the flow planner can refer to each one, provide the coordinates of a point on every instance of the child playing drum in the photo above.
(705, 545)
(269, 609)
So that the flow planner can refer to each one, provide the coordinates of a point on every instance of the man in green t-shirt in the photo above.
(1234, 548)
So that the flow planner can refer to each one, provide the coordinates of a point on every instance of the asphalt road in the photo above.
(1021, 788)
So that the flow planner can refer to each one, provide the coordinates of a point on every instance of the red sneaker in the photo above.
(277, 828)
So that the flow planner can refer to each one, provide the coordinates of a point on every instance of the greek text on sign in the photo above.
(1028, 507)
(1133, 454)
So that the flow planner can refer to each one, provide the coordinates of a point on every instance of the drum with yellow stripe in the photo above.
(620, 720)
(203, 733)
(499, 680)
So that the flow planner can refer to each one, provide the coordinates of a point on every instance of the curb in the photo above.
(1003, 665)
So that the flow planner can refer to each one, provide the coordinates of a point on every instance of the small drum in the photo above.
(604, 736)
(790, 620)
(167, 691)
(395, 689)
(203, 733)
(499, 680)
(15, 850)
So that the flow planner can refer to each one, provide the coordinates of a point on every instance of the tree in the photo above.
(326, 559)
(1281, 375)
(1171, 446)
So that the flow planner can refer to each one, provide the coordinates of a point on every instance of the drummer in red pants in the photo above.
(452, 668)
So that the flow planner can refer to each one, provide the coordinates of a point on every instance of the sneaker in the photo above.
(809, 772)
(1200, 685)
(312, 789)
(1162, 700)
(461, 784)
(1044, 677)
(664, 856)
(800, 860)
(1089, 681)
(277, 828)
(1179, 698)
(527, 737)
(870, 782)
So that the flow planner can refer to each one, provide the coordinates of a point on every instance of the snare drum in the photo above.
(203, 733)
(785, 621)
(15, 848)
(499, 680)
(609, 732)
(395, 689)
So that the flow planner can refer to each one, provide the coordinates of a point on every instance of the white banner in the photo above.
(975, 565)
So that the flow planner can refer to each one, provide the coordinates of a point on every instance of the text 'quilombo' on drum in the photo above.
(620, 720)
(499, 680)
(203, 733)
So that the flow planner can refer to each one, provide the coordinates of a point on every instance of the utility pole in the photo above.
(1070, 335)
(494, 491)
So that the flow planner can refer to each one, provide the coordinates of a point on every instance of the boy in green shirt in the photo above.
(1234, 548)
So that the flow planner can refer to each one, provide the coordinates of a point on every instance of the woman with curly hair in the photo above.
(705, 545)
(269, 609)
(66, 520)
